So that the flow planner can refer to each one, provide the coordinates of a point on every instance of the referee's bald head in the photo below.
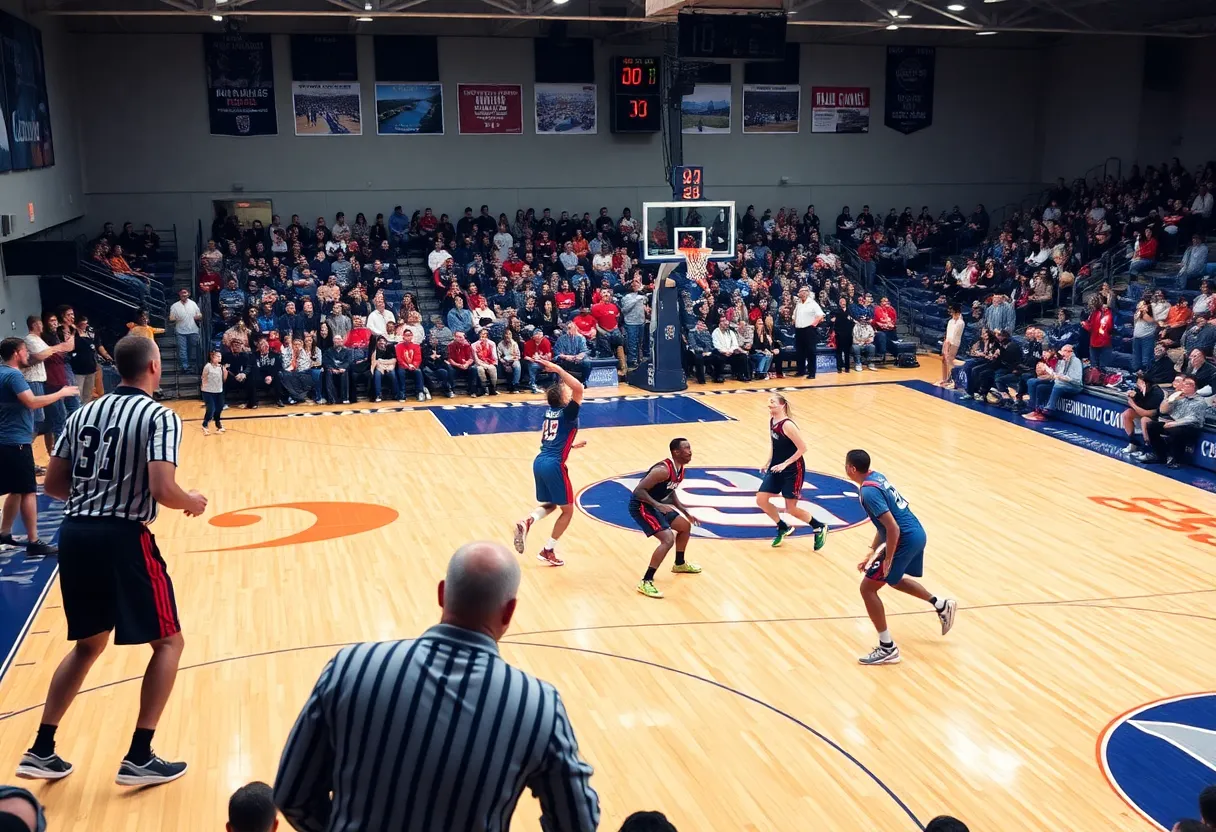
(136, 357)
(480, 588)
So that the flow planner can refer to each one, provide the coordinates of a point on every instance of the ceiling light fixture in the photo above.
(367, 7)
(363, 20)
(956, 7)
(904, 16)
(218, 18)
(892, 27)
(983, 34)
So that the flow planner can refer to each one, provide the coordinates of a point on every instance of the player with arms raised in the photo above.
(659, 513)
(553, 489)
(784, 474)
(898, 551)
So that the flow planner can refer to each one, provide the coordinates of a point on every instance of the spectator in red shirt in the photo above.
(536, 348)
(409, 365)
(360, 336)
(610, 340)
(884, 327)
(1144, 252)
(565, 299)
(868, 252)
(585, 322)
(1100, 326)
(485, 361)
(460, 360)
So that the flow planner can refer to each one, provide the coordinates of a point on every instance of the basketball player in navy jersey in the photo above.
(553, 489)
(902, 553)
(784, 473)
(659, 513)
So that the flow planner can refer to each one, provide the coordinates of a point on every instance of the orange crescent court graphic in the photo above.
(331, 520)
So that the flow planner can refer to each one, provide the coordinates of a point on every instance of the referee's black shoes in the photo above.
(152, 773)
(34, 767)
(37, 548)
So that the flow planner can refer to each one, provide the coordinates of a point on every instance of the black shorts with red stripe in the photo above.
(113, 578)
(649, 519)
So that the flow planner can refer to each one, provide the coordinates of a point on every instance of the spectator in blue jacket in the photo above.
(1194, 261)
(571, 353)
(232, 302)
(459, 318)
(698, 348)
(1000, 315)
(290, 323)
(398, 227)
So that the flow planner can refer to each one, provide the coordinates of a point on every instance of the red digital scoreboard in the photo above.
(636, 95)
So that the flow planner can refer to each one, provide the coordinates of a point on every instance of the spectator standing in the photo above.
(951, 344)
(842, 330)
(633, 313)
(185, 317)
(251, 809)
(214, 376)
(319, 785)
(807, 316)
(18, 483)
(1182, 415)
(1100, 326)
(1144, 335)
(84, 359)
(33, 368)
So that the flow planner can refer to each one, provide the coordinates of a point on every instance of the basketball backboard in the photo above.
(668, 226)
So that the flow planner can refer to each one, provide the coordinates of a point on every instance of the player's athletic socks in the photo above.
(938, 603)
(140, 751)
(551, 545)
(783, 526)
(44, 743)
(679, 560)
(884, 639)
(649, 576)
(537, 514)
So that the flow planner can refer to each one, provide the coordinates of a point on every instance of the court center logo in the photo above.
(1159, 756)
(724, 500)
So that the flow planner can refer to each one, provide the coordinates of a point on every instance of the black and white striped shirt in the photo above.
(438, 734)
(110, 442)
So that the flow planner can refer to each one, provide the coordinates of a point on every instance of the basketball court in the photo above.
(734, 703)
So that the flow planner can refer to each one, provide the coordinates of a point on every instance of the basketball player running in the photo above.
(553, 490)
(784, 472)
(898, 550)
(114, 464)
(657, 510)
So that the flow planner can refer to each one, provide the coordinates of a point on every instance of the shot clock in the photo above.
(686, 182)
(636, 95)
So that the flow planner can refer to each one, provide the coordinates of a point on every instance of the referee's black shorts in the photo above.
(113, 578)
(17, 469)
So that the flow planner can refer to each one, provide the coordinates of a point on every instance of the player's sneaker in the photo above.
(34, 767)
(521, 533)
(783, 531)
(648, 589)
(881, 655)
(686, 568)
(946, 616)
(550, 557)
(152, 773)
(821, 536)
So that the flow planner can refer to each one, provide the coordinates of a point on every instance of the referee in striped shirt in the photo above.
(436, 734)
(114, 464)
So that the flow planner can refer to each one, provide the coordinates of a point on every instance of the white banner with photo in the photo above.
(327, 109)
(707, 110)
(566, 109)
(771, 108)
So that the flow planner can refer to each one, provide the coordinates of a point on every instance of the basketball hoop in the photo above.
(698, 260)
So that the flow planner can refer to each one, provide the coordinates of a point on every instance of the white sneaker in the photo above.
(946, 615)
(206, 432)
(1129, 449)
(872, 367)
(426, 393)
(378, 399)
(881, 655)
(421, 397)
(220, 430)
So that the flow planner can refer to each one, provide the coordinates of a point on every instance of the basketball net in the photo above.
(698, 260)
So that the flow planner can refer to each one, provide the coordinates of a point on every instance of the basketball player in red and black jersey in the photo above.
(659, 513)
(784, 473)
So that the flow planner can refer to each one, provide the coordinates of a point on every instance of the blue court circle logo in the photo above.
(724, 500)
(1160, 755)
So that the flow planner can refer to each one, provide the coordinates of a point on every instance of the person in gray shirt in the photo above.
(1000, 315)
(1064, 381)
(1182, 416)
(437, 732)
(633, 318)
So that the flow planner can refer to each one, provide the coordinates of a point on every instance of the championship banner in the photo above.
(27, 114)
(565, 108)
(327, 109)
(840, 109)
(240, 85)
(409, 109)
(771, 108)
(490, 108)
(909, 91)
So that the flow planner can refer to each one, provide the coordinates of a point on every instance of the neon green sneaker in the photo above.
(783, 532)
(821, 536)
(648, 589)
(686, 568)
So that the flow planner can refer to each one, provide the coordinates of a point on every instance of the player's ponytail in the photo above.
(789, 413)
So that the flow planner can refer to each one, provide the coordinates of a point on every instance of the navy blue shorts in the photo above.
(909, 560)
(552, 481)
(787, 483)
(649, 519)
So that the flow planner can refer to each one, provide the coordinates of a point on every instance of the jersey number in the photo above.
(95, 444)
(900, 502)
(548, 431)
